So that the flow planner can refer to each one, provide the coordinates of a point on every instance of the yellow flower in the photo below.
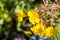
(33, 20)
(49, 32)
(20, 15)
(33, 13)
(33, 17)
(37, 30)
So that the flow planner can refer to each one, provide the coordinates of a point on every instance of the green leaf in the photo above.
(1, 31)
(1, 21)
(31, 0)
(18, 26)
(1, 4)
(58, 35)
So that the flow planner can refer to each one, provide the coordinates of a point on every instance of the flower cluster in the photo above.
(39, 26)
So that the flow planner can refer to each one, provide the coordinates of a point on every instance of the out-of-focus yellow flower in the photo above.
(33, 17)
(28, 32)
(33, 13)
(33, 20)
(37, 30)
(49, 32)
(20, 15)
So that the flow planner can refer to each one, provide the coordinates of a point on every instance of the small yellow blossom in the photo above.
(33, 17)
(49, 32)
(33, 13)
(33, 20)
(20, 15)
(37, 30)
